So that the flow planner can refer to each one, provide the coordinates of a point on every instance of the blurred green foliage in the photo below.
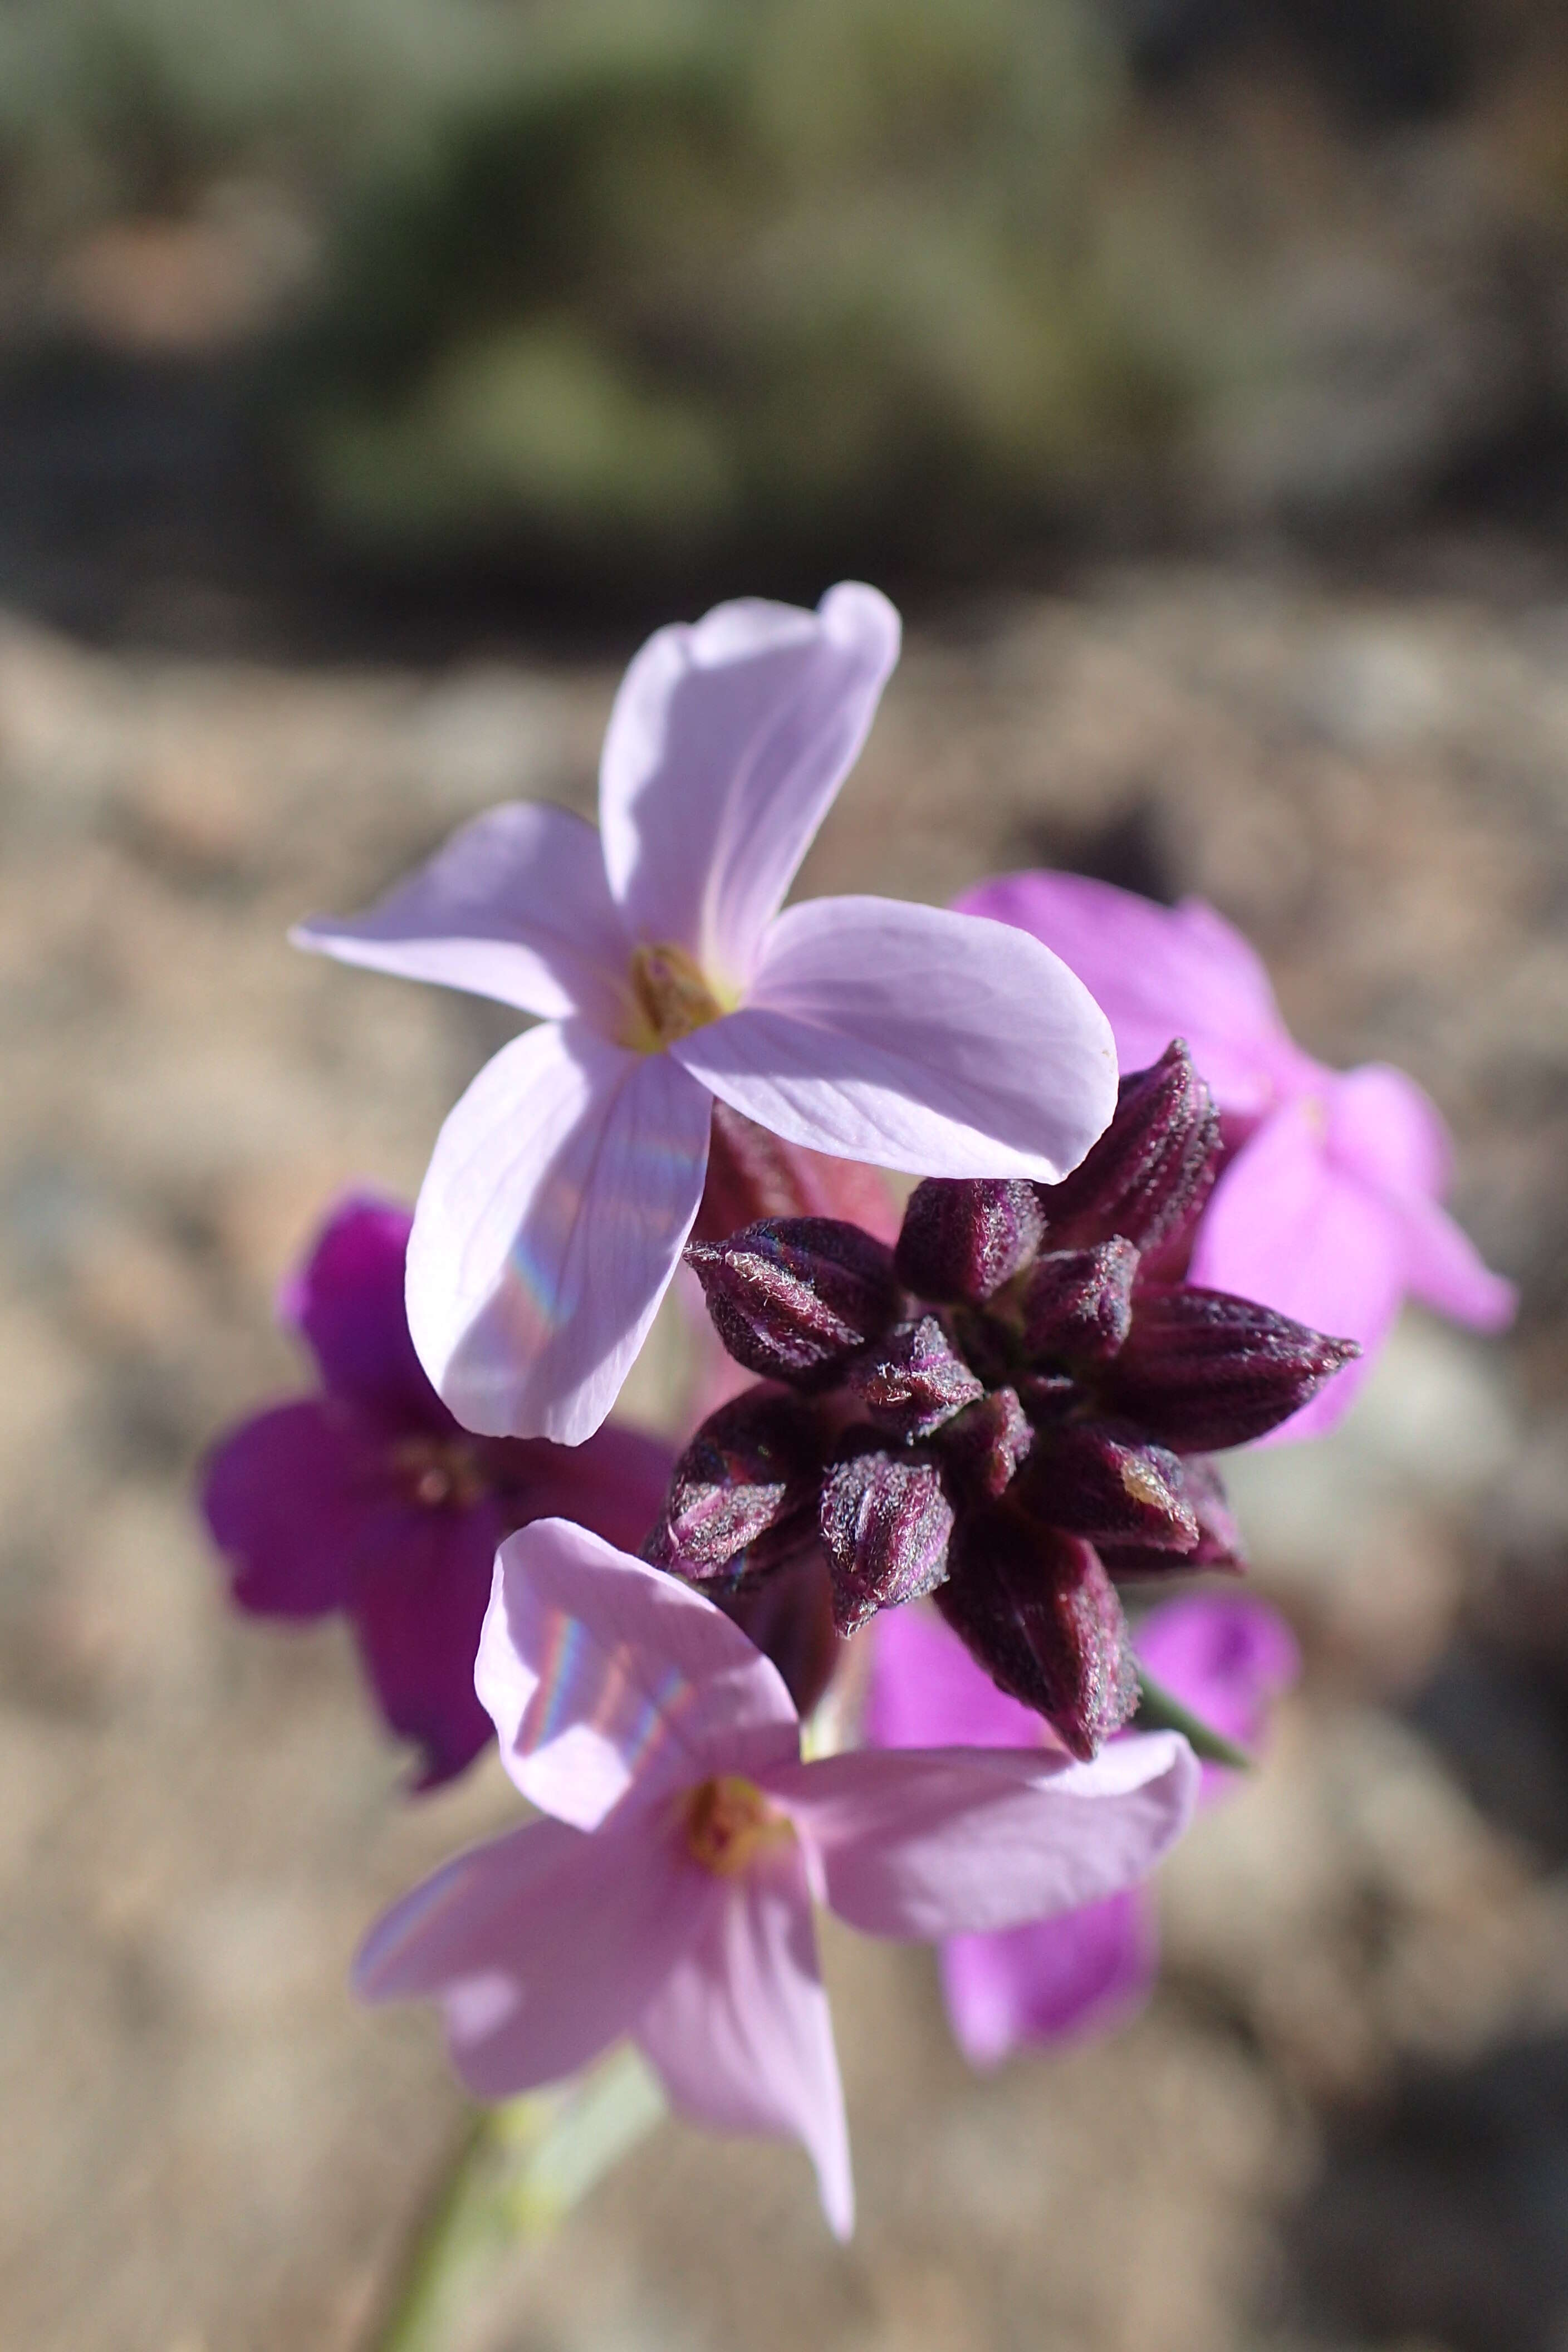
(123, 105)
(653, 293)
(821, 281)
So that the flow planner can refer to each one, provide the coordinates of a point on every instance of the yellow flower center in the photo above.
(727, 1822)
(442, 1473)
(670, 997)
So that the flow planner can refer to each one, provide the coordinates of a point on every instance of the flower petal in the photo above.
(552, 1217)
(417, 1604)
(1227, 1656)
(1445, 1270)
(604, 1674)
(1160, 973)
(741, 2030)
(926, 1690)
(926, 1844)
(288, 1497)
(1051, 1979)
(1288, 1229)
(347, 1301)
(1382, 1128)
(515, 907)
(727, 745)
(543, 1947)
(915, 1039)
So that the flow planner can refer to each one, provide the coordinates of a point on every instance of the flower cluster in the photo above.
(1010, 1410)
(1007, 1403)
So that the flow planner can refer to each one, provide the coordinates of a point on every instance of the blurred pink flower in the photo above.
(566, 1180)
(670, 1895)
(1085, 1971)
(1329, 1208)
(371, 1499)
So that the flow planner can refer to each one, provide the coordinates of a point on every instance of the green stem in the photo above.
(518, 2171)
(1160, 1710)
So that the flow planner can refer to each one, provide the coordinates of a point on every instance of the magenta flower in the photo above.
(669, 1896)
(1329, 1208)
(372, 1500)
(565, 1181)
(1085, 1971)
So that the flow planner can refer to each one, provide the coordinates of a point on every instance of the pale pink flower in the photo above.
(1329, 1208)
(670, 1895)
(565, 1181)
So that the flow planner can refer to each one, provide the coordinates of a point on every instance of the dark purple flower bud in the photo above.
(1094, 1482)
(1151, 1170)
(1037, 1611)
(885, 1522)
(1079, 1303)
(913, 1380)
(750, 1470)
(1047, 1397)
(754, 1174)
(963, 1238)
(982, 1449)
(792, 1297)
(988, 1344)
(1219, 1543)
(1201, 1370)
(790, 1618)
(1218, 1546)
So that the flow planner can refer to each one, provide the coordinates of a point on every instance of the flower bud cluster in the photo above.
(1008, 1411)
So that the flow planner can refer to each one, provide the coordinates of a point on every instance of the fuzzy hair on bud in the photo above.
(1219, 1546)
(1036, 1608)
(982, 1449)
(1098, 1484)
(749, 1471)
(885, 1522)
(912, 1379)
(1200, 1370)
(793, 1298)
(963, 1237)
(1151, 1170)
(1077, 1304)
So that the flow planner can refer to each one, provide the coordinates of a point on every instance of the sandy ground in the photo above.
(1345, 2122)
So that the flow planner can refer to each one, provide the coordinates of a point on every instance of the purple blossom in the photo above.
(670, 1894)
(1329, 1207)
(566, 1180)
(1084, 1970)
(371, 1499)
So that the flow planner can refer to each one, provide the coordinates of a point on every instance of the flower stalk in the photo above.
(518, 2170)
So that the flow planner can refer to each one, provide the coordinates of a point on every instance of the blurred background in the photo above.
(371, 373)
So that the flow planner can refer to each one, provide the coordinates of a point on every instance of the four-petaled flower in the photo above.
(566, 1180)
(1330, 1207)
(1225, 1656)
(670, 1895)
(371, 1499)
